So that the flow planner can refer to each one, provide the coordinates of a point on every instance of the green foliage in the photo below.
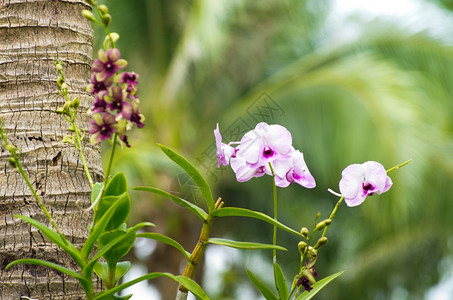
(280, 282)
(167, 240)
(264, 290)
(193, 173)
(243, 245)
(318, 286)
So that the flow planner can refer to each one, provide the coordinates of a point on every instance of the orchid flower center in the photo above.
(109, 66)
(268, 152)
(368, 188)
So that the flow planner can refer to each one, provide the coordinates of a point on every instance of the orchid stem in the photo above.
(332, 215)
(274, 239)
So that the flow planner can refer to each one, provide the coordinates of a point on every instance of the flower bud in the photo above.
(323, 224)
(12, 162)
(103, 9)
(11, 148)
(68, 139)
(321, 242)
(58, 67)
(75, 103)
(60, 81)
(60, 110)
(64, 86)
(71, 128)
(301, 247)
(106, 19)
(90, 2)
(88, 15)
(304, 231)
(307, 274)
(312, 253)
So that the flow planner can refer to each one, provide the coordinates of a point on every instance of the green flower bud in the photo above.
(321, 242)
(11, 148)
(88, 15)
(307, 274)
(58, 67)
(68, 139)
(301, 247)
(304, 231)
(312, 253)
(75, 103)
(323, 224)
(64, 86)
(71, 128)
(90, 2)
(12, 162)
(60, 110)
(106, 19)
(103, 9)
(60, 81)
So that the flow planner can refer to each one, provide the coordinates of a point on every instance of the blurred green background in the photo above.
(350, 88)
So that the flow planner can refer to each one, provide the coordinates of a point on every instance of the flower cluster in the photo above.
(115, 107)
(359, 181)
(267, 149)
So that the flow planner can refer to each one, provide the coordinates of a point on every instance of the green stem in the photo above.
(30, 186)
(399, 166)
(274, 236)
(109, 166)
(332, 215)
(82, 156)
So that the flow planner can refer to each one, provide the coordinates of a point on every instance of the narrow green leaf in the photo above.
(98, 229)
(200, 213)
(264, 290)
(55, 238)
(113, 255)
(103, 250)
(165, 239)
(193, 173)
(243, 212)
(318, 286)
(117, 185)
(188, 283)
(121, 213)
(44, 263)
(280, 282)
(96, 190)
(243, 245)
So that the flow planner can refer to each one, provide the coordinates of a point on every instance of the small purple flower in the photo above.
(102, 127)
(107, 64)
(293, 169)
(224, 151)
(115, 100)
(99, 103)
(307, 278)
(132, 113)
(97, 86)
(361, 180)
(131, 79)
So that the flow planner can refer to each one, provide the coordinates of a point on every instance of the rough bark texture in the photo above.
(33, 34)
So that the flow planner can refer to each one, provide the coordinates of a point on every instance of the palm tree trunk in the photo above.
(33, 34)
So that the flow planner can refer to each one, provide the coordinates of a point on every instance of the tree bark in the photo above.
(33, 33)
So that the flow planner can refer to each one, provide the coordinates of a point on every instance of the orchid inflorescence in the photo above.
(268, 149)
(116, 106)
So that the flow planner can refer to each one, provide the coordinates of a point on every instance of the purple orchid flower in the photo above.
(131, 81)
(132, 113)
(224, 152)
(361, 180)
(102, 127)
(293, 169)
(97, 86)
(107, 64)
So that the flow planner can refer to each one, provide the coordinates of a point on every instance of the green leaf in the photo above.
(117, 185)
(264, 290)
(165, 239)
(318, 286)
(243, 245)
(113, 255)
(102, 270)
(243, 212)
(125, 297)
(44, 263)
(121, 213)
(96, 190)
(121, 269)
(280, 282)
(55, 238)
(98, 229)
(193, 173)
(100, 253)
(200, 213)
(188, 283)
